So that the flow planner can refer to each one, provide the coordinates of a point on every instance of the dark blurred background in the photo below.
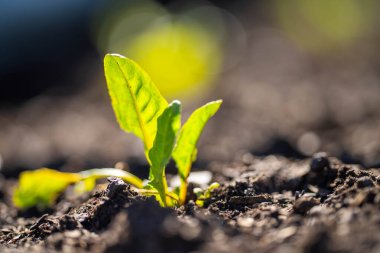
(296, 77)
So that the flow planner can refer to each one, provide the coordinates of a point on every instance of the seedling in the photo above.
(140, 109)
(202, 195)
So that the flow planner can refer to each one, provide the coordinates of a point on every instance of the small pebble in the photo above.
(73, 234)
(304, 204)
(287, 232)
(115, 185)
(364, 182)
(319, 162)
(245, 222)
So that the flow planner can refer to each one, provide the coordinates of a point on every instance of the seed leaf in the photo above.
(41, 187)
(168, 125)
(136, 101)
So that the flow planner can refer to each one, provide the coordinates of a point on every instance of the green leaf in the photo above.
(41, 187)
(168, 125)
(135, 99)
(185, 151)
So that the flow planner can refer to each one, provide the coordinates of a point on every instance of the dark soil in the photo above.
(269, 204)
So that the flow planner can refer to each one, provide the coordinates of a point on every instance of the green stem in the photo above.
(183, 192)
(127, 177)
(183, 187)
(111, 172)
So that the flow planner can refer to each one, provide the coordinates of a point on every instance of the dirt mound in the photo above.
(269, 204)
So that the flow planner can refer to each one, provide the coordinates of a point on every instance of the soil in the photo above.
(264, 204)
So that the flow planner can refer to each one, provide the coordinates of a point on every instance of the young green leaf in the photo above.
(185, 151)
(135, 99)
(41, 187)
(168, 125)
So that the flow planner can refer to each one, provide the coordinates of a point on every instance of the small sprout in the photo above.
(202, 195)
(198, 192)
(212, 187)
(140, 109)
